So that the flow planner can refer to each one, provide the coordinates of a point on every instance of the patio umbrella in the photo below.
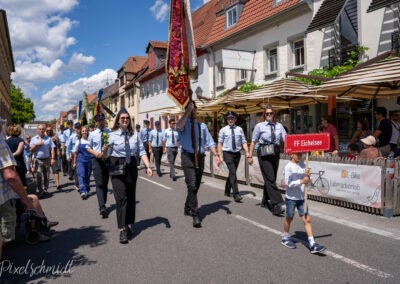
(377, 80)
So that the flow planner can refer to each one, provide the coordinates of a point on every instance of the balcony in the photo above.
(338, 56)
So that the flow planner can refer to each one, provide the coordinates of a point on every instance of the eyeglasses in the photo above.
(124, 117)
(48, 130)
(269, 113)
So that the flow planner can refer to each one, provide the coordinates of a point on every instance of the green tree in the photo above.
(21, 107)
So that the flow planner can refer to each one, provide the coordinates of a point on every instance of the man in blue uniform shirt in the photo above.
(171, 142)
(145, 136)
(193, 175)
(156, 145)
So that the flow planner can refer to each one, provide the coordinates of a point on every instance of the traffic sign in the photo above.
(296, 143)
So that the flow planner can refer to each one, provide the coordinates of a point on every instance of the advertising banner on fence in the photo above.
(358, 184)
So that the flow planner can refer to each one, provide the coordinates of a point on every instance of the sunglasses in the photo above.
(124, 117)
(269, 113)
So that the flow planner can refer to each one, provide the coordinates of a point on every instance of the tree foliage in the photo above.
(21, 107)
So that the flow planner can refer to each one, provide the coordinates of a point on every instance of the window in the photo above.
(242, 75)
(220, 75)
(272, 57)
(298, 53)
(231, 16)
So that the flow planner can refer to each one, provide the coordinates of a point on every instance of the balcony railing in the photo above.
(338, 56)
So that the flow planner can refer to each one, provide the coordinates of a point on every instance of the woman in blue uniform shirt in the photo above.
(121, 149)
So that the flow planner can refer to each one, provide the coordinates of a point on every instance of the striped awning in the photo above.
(377, 80)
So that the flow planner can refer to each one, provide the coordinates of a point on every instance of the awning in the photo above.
(327, 14)
(378, 4)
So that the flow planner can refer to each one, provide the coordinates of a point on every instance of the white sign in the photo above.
(237, 59)
(358, 184)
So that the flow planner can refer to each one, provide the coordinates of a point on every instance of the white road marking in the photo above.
(156, 183)
(354, 263)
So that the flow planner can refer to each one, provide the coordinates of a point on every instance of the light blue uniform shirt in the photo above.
(70, 144)
(185, 137)
(61, 137)
(95, 139)
(262, 133)
(168, 137)
(67, 133)
(153, 138)
(144, 134)
(116, 144)
(225, 137)
(43, 151)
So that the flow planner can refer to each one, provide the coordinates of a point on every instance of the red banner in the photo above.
(296, 143)
(181, 54)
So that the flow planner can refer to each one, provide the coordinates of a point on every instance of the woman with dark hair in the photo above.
(269, 134)
(362, 131)
(16, 144)
(121, 149)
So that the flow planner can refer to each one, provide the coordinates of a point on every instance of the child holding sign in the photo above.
(296, 177)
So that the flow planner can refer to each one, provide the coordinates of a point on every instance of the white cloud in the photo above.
(65, 96)
(160, 10)
(78, 62)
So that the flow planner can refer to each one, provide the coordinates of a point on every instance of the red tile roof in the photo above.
(157, 44)
(91, 98)
(253, 12)
(133, 64)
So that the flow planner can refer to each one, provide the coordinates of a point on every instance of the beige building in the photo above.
(6, 67)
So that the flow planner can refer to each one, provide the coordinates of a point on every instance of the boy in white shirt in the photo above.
(296, 177)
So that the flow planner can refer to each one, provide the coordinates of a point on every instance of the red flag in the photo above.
(181, 55)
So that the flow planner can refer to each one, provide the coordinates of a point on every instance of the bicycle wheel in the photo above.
(322, 185)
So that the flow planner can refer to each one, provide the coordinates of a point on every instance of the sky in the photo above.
(63, 48)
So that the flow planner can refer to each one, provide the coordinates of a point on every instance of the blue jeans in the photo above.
(292, 204)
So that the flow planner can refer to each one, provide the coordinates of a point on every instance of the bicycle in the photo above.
(320, 183)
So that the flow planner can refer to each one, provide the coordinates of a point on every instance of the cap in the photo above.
(230, 114)
(77, 125)
(99, 116)
(137, 125)
(146, 121)
(62, 127)
(369, 140)
(157, 123)
(70, 122)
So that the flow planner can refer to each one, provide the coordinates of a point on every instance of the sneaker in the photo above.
(123, 237)
(316, 248)
(84, 195)
(104, 212)
(288, 243)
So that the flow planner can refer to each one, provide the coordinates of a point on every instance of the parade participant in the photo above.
(137, 150)
(171, 142)
(83, 163)
(62, 139)
(269, 134)
(69, 152)
(231, 140)
(43, 152)
(193, 175)
(121, 149)
(384, 131)
(10, 188)
(98, 140)
(328, 127)
(145, 137)
(56, 168)
(156, 146)
(296, 177)
(16, 145)
(67, 133)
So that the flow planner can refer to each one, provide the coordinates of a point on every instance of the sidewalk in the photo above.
(376, 224)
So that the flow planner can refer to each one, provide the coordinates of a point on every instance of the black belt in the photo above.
(43, 159)
(173, 147)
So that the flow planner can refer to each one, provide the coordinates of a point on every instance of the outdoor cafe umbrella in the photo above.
(372, 81)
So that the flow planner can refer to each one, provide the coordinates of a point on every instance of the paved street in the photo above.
(239, 243)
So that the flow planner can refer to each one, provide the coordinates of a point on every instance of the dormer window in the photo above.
(231, 16)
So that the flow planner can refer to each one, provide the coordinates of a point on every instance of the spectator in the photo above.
(395, 138)
(352, 151)
(384, 131)
(361, 132)
(16, 144)
(370, 151)
(328, 127)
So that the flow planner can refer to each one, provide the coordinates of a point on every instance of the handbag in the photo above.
(117, 166)
(267, 150)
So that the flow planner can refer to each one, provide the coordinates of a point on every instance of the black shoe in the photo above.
(123, 237)
(237, 198)
(196, 222)
(227, 194)
(71, 178)
(129, 232)
(160, 175)
(174, 178)
(104, 212)
(187, 213)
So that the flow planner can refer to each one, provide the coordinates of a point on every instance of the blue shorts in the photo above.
(292, 204)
